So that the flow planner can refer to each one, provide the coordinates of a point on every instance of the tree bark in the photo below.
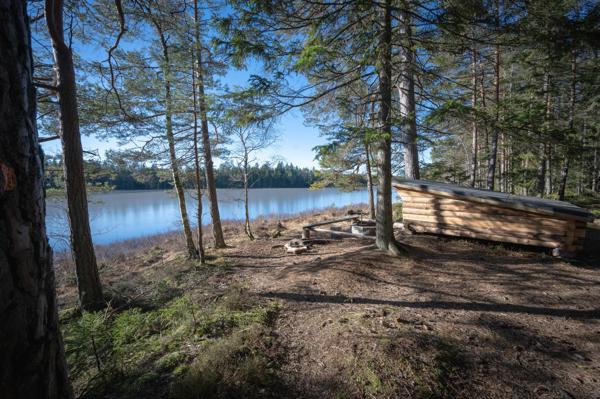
(32, 361)
(197, 172)
(211, 185)
(485, 142)
(543, 146)
(548, 159)
(564, 173)
(407, 98)
(474, 142)
(384, 231)
(82, 247)
(491, 172)
(247, 226)
(369, 181)
(189, 240)
(595, 168)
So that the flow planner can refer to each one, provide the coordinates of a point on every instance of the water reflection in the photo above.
(121, 215)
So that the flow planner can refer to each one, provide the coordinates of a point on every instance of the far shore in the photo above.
(260, 224)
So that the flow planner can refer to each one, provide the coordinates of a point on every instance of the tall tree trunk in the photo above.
(525, 169)
(82, 248)
(502, 163)
(541, 173)
(484, 143)
(491, 172)
(211, 185)
(595, 168)
(474, 139)
(384, 229)
(247, 226)
(197, 173)
(548, 184)
(543, 146)
(565, 169)
(407, 98)
(369, 181)
(32, 360)
(189, 240)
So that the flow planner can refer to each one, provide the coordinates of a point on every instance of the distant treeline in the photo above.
(121, 174)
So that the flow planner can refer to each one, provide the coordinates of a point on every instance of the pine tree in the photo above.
(32, 360)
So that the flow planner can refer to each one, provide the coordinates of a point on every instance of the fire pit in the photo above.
(366, 227)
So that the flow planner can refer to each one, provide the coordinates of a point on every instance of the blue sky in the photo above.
(295, 139)
(294, 144)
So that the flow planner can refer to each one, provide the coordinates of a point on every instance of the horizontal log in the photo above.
(331, 221)
(482, 230)
(490, 201)
(342, 233)
(505, 226)
(521, 219)
(457, 206)
(491, 237)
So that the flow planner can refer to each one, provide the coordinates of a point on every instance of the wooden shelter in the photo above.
(429, 207)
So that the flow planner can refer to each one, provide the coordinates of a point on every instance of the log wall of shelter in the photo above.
(447, 215)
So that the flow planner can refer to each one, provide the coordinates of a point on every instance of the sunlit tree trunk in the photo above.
(474, 129)
(384, 231)
(211, 186)
(595, 169)
(484, 143)
(543, 147)
(406, 93)
(247, 226)
(369, 181)
(565, 169)
(197, 174)
(548, 184)
(189, 240)
(32, 360)
(493, 155)
(82, 248)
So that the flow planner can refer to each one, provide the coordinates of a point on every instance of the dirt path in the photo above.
(454, 318)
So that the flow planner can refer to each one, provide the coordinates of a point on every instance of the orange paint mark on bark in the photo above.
(8, 177)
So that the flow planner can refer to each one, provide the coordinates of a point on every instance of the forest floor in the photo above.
(450, 319)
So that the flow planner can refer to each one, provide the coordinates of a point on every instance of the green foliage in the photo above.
(125, 171)
(310, 55)
(137, 350)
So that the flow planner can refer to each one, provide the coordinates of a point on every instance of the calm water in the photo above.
(121, 215)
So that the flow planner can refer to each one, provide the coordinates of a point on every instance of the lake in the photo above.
(122, 215)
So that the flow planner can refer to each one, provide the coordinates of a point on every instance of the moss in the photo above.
(132, 350)
(231, 366)
(370, 381)
(170, 361)
(433, 370)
